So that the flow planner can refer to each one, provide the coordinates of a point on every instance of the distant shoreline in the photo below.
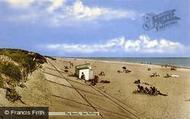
(117, 61)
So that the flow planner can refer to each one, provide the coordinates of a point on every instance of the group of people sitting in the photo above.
(147, 89)
(155, 74)
(124, 70)
(172, 67)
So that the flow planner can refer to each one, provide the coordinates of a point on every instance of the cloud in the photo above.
(56, 4)
(148, 45)
(59, 12)
(80, 11)
(84, 48)
(20, 3)
(144, 44)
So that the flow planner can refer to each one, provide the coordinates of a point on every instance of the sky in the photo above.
(94, 28)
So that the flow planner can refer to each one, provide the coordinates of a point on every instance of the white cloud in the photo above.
(142, 45)
(20, 3)
(82, 12)
(148, 45)
(56, 4)
(84, 48)
(58, 12)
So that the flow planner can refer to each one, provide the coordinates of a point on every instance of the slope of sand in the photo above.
(60, 91)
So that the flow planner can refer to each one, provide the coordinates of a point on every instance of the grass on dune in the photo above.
(16, 68)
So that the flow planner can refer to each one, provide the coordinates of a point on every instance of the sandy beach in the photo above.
(175, 105)
(62, 92)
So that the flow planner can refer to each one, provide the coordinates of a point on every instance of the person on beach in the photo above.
(95, 80)
(83, 76)
(71, 64)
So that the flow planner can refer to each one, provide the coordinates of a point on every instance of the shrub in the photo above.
(24, 58)
(1, 82)
(12, 95)
(10, 70)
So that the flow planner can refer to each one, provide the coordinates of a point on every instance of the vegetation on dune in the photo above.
(10, 70)
(15, 65)
(27, 60)
(1, 82)
(12, 95)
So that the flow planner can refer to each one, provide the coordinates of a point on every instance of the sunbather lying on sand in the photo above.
(171, 75)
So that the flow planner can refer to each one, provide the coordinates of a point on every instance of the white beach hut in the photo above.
(85, 69)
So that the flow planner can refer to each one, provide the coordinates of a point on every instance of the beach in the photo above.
(63, 92)
(175, 105)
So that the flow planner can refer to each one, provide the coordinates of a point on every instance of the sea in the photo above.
(176, 61)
